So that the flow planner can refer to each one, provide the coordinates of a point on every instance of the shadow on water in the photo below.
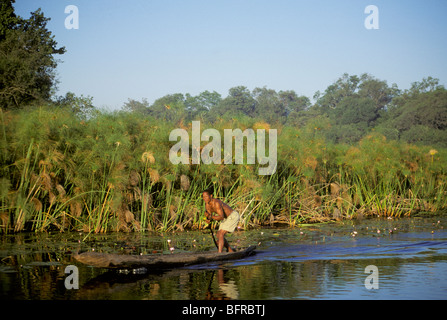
(321, 261)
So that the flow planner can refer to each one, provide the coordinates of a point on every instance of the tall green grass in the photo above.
(112, 173)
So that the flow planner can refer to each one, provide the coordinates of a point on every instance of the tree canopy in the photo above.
(350, 108)
(27, 62)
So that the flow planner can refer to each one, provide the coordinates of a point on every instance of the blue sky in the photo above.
(149, 48)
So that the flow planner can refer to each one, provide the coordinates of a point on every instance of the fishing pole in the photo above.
(212, 234)
(211, 228)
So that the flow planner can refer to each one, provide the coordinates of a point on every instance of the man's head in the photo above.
(207, 196)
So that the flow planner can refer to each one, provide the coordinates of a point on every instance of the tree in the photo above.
(427, 109)
(292, 102)
(298, 108)
(136, 106)
(238, 102)
(27, 64)
(200, 105)
(8, 19)
(268, 105)
(365, 86)
(169, 108)
(377, 91)
(356, 110)
(428, 84)
(355, 104)
(419, 114)
(81, 106)
(344, 87)
(425, 135)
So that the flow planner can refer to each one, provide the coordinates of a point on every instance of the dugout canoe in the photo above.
(155, 262)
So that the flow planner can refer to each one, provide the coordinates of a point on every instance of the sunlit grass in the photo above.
(112, 173)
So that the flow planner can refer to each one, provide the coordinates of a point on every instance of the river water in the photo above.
(404, 259)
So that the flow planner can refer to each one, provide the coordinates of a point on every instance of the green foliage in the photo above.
(198, 106)
(422, 117)
(8, 19)
(354, 107)
(26, 64)
(419, 115)
(268, 105)
(81, 106)
(238, 102)
(110, 172)
(362, 148)
(65, 165)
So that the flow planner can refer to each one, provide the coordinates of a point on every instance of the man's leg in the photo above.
(222, 241)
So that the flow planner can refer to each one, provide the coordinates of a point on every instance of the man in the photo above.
(220, 211)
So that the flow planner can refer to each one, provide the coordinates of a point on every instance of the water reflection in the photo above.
(228, 289)
(325, 262)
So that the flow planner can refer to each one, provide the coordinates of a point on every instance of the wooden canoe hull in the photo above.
(166, 261)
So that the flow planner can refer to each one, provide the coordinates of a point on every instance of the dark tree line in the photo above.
(346, 111)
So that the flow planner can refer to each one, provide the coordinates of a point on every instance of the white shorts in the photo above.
(229, 224)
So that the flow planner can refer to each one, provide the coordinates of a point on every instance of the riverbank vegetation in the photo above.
(68, 169)
(360, 148)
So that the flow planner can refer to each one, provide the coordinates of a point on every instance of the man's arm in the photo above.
(220, 215)
(208, 216)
